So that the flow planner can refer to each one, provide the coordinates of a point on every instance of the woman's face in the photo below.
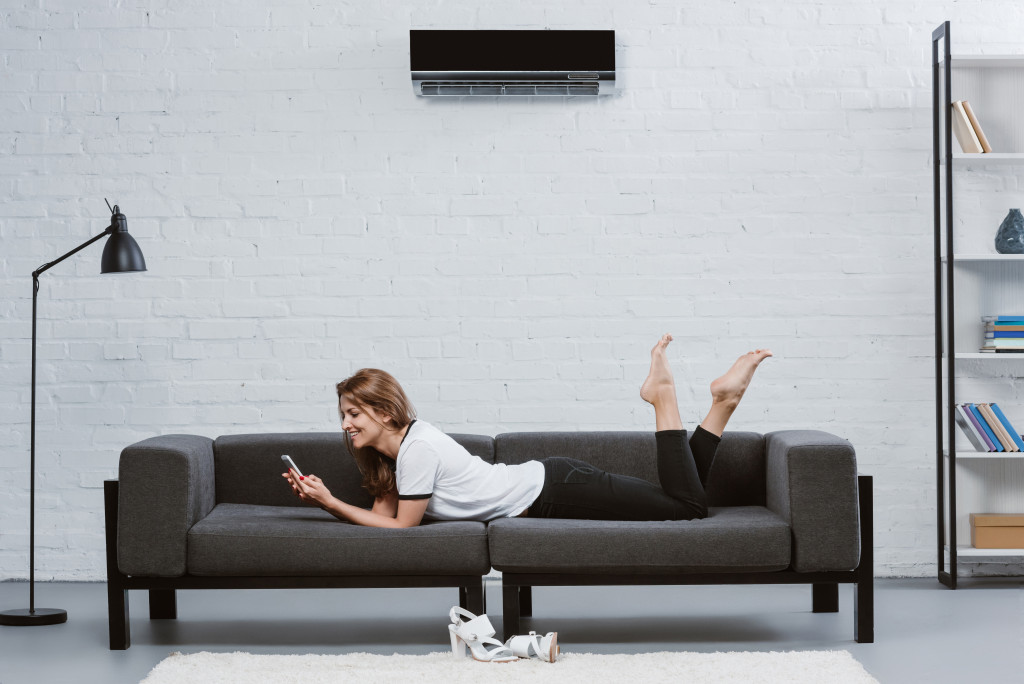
(362, 423)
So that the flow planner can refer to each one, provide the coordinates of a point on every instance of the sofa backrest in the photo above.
(737, 477)
(248, 467)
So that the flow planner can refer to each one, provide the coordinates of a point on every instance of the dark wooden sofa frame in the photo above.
(517, 594)
(163, 604)
(516, 587)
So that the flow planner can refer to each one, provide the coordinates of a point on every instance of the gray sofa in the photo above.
(188, 512)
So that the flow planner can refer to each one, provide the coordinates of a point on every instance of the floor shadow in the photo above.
(413, 632)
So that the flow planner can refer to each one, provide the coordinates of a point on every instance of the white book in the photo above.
(985, 147)
(968, 429)
(963, 129)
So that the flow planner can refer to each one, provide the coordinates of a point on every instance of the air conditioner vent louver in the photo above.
(456, 89)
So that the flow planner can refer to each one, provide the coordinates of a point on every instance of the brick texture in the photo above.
(762, 180)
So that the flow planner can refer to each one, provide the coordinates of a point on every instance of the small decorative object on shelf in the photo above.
(1010, 236)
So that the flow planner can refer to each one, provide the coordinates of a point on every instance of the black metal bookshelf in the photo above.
(946, 263)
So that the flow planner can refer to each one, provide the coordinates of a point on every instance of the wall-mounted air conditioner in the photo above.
(462, 63)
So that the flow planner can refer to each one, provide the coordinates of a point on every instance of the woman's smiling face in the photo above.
(362, 423)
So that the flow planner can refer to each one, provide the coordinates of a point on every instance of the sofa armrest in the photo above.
(811, 481)
(166, 487)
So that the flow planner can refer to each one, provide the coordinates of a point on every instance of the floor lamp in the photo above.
(121, 254)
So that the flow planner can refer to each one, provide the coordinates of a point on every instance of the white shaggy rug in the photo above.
(794, 667)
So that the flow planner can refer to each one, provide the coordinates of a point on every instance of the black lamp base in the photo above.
(24, 617)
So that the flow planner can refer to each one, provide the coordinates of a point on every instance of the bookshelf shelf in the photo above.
(970, 283)
(982, 61)
(965, 258)
(961, 454)
(988, 555)
(965, 158)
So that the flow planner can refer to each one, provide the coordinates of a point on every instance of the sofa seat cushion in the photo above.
(251, 540)
(732, 539)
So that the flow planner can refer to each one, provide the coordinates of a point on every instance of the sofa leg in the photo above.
(471, 598)
(526, 601)
(864, 611)
(118, 618)
(163, 604)
(825, 597)
(864, 589)
(510, 594)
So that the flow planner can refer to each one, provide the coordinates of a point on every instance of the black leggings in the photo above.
(575, 489)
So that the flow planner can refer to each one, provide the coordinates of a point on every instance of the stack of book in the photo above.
(968, 130)
(987, 428)
(1003, 334)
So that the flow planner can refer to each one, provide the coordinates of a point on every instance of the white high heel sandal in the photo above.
(476, 633)
(534, 646)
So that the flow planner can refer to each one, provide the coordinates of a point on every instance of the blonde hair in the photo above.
(376, 389)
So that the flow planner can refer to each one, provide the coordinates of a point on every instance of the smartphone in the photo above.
(291, 464)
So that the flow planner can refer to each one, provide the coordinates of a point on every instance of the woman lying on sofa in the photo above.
(435, 477)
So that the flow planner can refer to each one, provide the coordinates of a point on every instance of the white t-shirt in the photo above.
(461, 486)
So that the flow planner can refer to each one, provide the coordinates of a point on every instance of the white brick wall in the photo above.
(763, 179)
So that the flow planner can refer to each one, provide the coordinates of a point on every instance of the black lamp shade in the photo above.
(121, 254)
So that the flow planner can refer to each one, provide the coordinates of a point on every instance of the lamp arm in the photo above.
(47, 266)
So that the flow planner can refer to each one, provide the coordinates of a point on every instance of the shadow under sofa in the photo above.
(188, 512)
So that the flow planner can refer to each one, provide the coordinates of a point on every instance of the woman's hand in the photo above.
(309, 488)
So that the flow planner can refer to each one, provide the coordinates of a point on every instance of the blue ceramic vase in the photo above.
(1010, 237)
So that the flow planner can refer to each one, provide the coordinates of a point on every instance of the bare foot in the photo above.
(729, 388)
(659, 380)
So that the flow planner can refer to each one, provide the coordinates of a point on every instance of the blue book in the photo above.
(1010, 319)
(977, 426)
(998, 333)
(987, 431)
(1014, 435)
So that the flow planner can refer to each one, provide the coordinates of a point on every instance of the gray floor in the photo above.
(923, 632)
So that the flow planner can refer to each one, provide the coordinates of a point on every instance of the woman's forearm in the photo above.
(360, 516)
(386, 505)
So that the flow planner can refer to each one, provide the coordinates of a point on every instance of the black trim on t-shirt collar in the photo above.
(407, 432)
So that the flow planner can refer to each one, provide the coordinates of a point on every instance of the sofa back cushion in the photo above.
(248, 467)
(737, 477)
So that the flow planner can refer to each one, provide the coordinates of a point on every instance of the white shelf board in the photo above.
(988, 356)
(961, 158)
(985, 257)
(1009, 455)
(987, 60)
(993, 554)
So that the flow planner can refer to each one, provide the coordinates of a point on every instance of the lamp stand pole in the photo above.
(37, 616)
(120, 255)
(43, 616)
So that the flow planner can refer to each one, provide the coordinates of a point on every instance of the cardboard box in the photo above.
(997, 531)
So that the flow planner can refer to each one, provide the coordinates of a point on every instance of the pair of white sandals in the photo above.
(476, 634)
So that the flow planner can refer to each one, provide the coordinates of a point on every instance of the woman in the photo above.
(436, 478)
